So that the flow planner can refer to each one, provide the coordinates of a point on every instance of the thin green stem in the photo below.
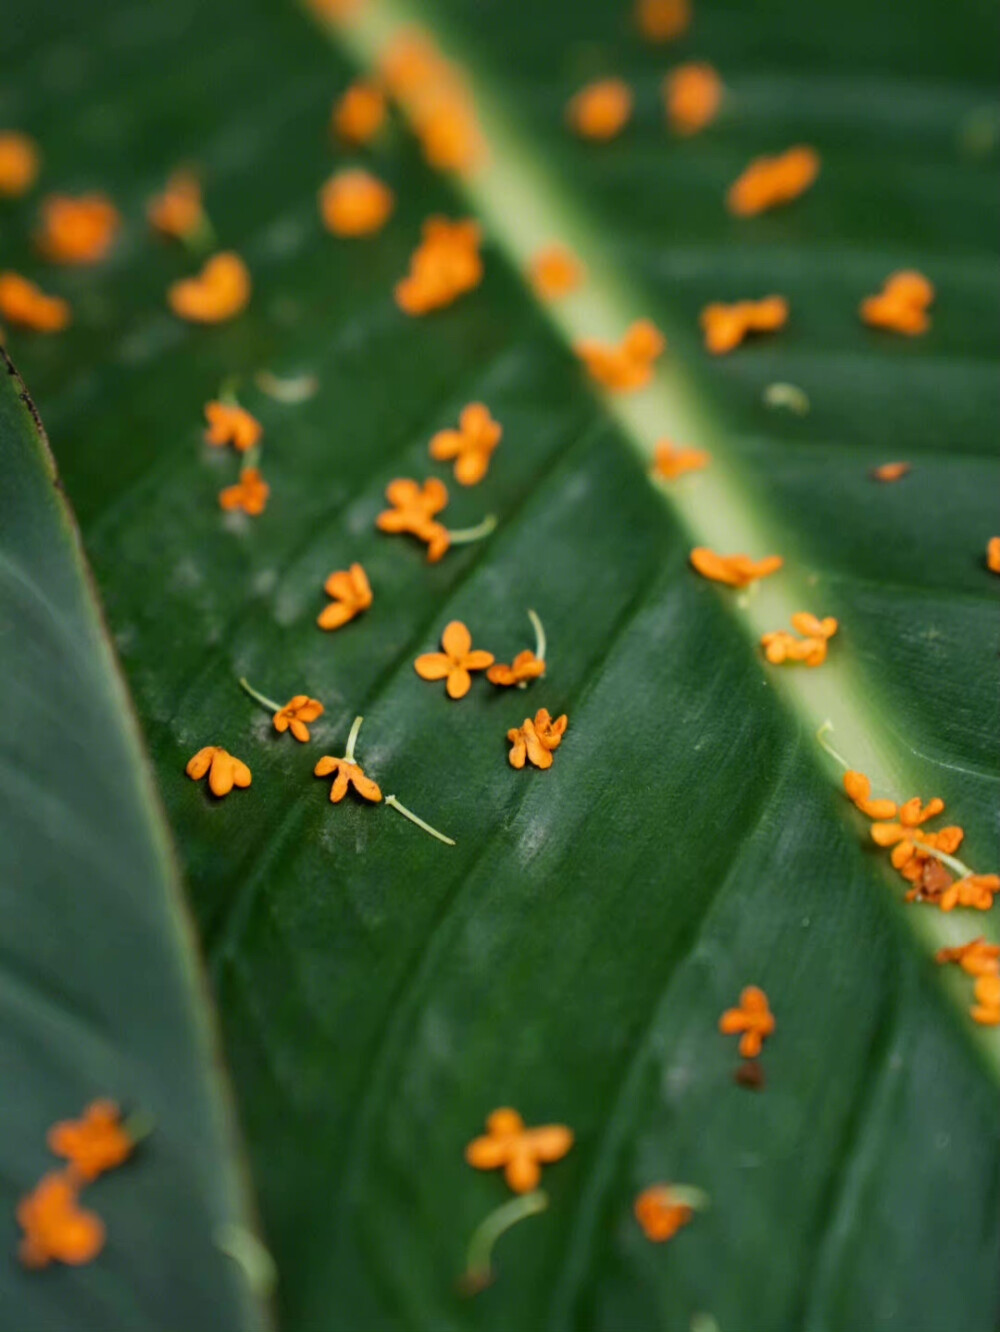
(952, 862)
(261, 698)
(246, 1250)
(352, 740)
(393, 803)
(821, 734)
(540, 642)
(479, 1256)
(294, 389)
(466, 534)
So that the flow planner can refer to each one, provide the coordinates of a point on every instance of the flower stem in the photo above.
(294, 389)
(479, 1266)
(540, 642)
(352, 740)
(821, 734)
(952, 862)
(466, 534)
(409, 814)
(261, 698)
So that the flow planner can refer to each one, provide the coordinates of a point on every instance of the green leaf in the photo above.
(380, 993)
(99, 994)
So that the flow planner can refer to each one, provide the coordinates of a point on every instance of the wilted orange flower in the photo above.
(734, 570)
(660, 1213)
(249, 494)
(470, 446)
(56, 1228)
(769, 182)
(178, 210)
(520, 1152)
(413, 510)
(359, 113)
(355, 203)
(726, 326)
(974, 890)
(93, 1144)
(229, 423)
(600, 110)
(993, 554)
(348, 774)
(986, 1009)
(670, 462)
(444, 265)
(77, 230)
(859, 790)
(662, 20)
(224, 771)
(902, 304)
(351, 593)
(976, 958)
(753, 1018)
(692, 95)
(628, 366)
(27, 305)
(536, 739)
(906, 831)
(554, 271)
(892, 471)
(455, 662)
(782, 646)
(18, 163)
(219, 292)
(524, 668)
(294, 715)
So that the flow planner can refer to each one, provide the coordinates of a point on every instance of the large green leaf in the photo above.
(380, 992)
(98, 990)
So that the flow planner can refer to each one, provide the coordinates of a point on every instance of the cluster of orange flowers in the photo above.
(627, 367)
(56, 1228)
(458, 658)
(445, 265)
(726, 326)
(413, 510)
(434, 93)
(229, 423)
(809, 647)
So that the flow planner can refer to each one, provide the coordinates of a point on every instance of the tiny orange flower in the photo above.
(449, 133)
(77, 230)
(891, 471)
(249, 494)
(601, 110)
(976, 958)
(902, 304)
(219, 292)
(974, 890)
(444, 266)
(359, 113)
(554, 271)
(993, 555)
(520, 1152)
(471, 445)
(810, 648)
(28, 306)
(725, 326)
(662, 20)
(753, 1018)
(455, 662)
(986, 1009)
(413, 510)
(93, 1144)
(224, 771)
(670, 462)
(18, 163)
(734, 570)
(294, 715)
(859, 790)
(228, 423)
(769, 182)
(536, 739)
(629, 366)
(351, 593)
(178, 210)
(661, 1212)
(355, 203)
(524, 668)
(692, 95)
(348, 774)
(56, 1228)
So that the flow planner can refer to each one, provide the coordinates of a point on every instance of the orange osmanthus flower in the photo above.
(726, 326)
(250, 493)
(993, 554)
(524, 668)
(351, 593)
(355, 203)
(294, 715)
(670, 462)
(56, 1228)
(753, 1018)
(224, 771)
(601, 110)
(18, 163)
(769, 182)
(859, 791)
(627, 367)
(444, 266)
(662, 20)
(663, 1209)
(28, 306)
(986, 1009)
(219, 292)
(77, 230)
(902, 304)
(733, 570)
(93, 1144)
(178, 210)
(470, 446)
(228, 423)
(520, 1152)
(810, 648)
(455, 662)
(976, 958)
(348, 774)
(974, 890)
(554, 271)
(891, 471)
(692, 95)
(536, 739)
(359, 113)
(413, 511)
